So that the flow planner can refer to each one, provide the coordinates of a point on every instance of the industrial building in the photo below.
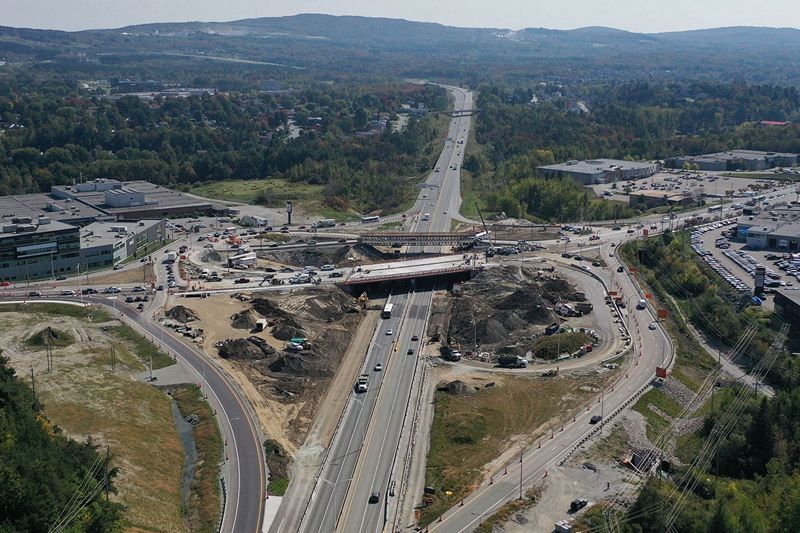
(595, 171)
(647, 199)
(105, 244)
(32, 248)
(778, 229)
(734, 160)
(787, 306)
(132, 200)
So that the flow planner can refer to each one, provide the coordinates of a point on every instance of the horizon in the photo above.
(516, 15)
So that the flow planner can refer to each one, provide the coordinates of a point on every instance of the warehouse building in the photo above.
(735, 160)
(787, 306)
(595, 171)
(647, 199)
(37, 248)
(132, 200)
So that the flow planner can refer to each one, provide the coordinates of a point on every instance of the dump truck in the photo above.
(512, 361)
(584, 307)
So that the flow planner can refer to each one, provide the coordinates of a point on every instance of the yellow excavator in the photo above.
(362, 300)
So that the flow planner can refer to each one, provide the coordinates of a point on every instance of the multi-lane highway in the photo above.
(360, 457)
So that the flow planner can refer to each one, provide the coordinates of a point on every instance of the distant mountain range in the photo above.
(417, 48)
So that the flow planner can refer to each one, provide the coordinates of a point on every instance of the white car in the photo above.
(389, 332)
(652, 325)
(378, 367)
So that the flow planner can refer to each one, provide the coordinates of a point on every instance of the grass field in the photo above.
(276, 191)
(471, 431)
(91, 314)
(656, 423)
(204, 497)
(141, 347)
(551, 346)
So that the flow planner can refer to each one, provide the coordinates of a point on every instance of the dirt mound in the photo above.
(300, 365)
(328, 305)
(210, 256)
(245, 320)
(457, 388)
(278, 460)
(52, 337)
(181, 314)
(286, 331)
(268, 308)
(245, 349)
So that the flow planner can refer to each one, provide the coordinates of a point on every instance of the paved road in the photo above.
(362, 451)
(535, 462)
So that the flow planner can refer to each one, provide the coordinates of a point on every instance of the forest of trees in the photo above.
(41, 470)
(57, 139)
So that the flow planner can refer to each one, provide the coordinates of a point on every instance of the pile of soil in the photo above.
(457, 388)
(251, 348)
(278, 460)
(503, 307)
(341, 256)
(300, 364)
(287, 330)
(50, 337)
(181, 314)
(329, 306)
(210, 256)
(268, 308)
(245, 320)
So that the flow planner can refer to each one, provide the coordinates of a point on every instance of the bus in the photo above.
(714, 208)
(368, 219)
(387, 311)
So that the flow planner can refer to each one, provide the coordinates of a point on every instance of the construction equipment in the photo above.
(362, 300)
(491, 240)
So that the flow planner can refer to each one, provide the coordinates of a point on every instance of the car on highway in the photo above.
(335, 275)
(139, 289)
(67, 292)
(415, 337)
(620, 269)
(374, 497)
(117, 267)
(160, 288)
(112, 290)
(566, 255)
(652, 325)
(410, 351)
(89, 291)
(378, 367)
(287, 270)
(595, 419)
(61, 278)
(577, 258)
(311, 243)
(342, 240)
(596, 263)
(390, 332)
(242, 280)
(34, 294)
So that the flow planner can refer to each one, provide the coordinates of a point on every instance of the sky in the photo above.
(633, 15)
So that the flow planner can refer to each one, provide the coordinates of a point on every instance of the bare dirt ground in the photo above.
(142, 274)
(286, 389)
(86, 399)
(343, 256)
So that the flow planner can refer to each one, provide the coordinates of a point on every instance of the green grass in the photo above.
(147, 250)
(550, 346)
(277, 486)
(52, 337)
(390, 225)
(276, 191)
(140, 346)
(656, 423)
(205, 499)
(470, 431)
(91, 314)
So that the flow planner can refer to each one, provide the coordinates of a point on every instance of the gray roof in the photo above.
(41, 204)
(40, 228)
(99, 233)
(596, 166)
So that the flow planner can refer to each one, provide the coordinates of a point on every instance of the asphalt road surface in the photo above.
(362, 451)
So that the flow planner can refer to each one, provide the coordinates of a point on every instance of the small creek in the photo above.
(190, 454)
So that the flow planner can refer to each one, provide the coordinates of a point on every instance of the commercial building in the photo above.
(595, 171)
(735, 160)
(105, 244)
(779, 229)
(653, 198)
(132, 200)
(787, 306)
(57, 210)
(37, 248)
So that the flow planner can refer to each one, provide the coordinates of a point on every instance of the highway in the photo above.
(362, 451)
(652, 348)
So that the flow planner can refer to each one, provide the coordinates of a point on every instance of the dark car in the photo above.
(577, 258)
(34, 294)
(160, 288)
(129, 299)
(342, 240)
(242, 280)
(566, 255)
(61, 278)
(140, 307)
(270, 269)
(595, 419)
(577, 505)
(620, 269)
(414, 337)
(89, 291)
(410, 351)
(214, 279)
(335, 275)
(596, 263)
(374, 497)
(287, 270)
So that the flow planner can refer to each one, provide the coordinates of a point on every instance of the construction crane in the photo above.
(485, 229)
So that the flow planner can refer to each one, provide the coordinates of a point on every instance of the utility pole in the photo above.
(33, 388)
(520, 475)
(151, 368)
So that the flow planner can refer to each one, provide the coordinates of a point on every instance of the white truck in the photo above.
(170, 257)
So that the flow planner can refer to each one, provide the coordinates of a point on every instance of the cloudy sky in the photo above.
(634, 15)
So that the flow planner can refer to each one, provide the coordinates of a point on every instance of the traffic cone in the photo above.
(573, 418)
(491, 480)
